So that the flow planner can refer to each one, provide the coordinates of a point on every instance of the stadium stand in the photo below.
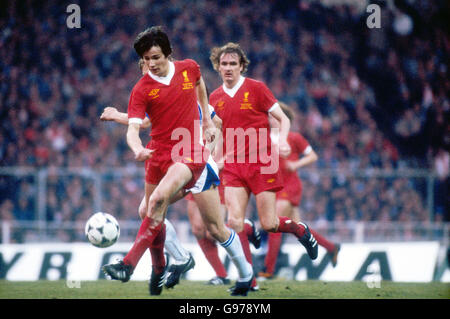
(365, 98)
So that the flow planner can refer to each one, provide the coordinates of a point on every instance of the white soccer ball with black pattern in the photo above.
(102, 230)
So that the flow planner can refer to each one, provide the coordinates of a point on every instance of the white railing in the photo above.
(42, 182)
(344, 232)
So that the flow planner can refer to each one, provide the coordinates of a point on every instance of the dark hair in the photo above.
(230, 47)
(154, 36)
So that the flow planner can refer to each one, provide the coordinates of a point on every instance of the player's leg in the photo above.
(236, 201)
(284, 208)
(143, 205)
(172, 245)
(296, 214)
(270, 222)
(151, 233)
(183, 258)
(253, 235)
(332, 248)
(177, 176)
(144, 238)
(124, 269)
(207, 243)
(142, 210)
(209, 205)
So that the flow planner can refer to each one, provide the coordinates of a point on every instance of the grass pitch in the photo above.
(269, 289)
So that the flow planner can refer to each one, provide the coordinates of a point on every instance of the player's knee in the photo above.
(269, 225)
(213, 231)
(237, 224)
(157, 201)
(198, 232)
(209, 236)
(142, 211)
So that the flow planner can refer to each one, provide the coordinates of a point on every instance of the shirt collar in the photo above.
(164, 79)
(231, 92)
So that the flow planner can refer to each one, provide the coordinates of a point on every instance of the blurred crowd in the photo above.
(364, 98)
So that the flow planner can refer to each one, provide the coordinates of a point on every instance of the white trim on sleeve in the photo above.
(307, 150)
(135, 120)
(273, 107)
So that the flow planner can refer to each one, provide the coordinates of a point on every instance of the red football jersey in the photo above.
(170, 102)
(244, 111)
(298, 146)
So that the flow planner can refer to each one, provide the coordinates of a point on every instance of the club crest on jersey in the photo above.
(245, 105)
(154, 93)
(187, 85)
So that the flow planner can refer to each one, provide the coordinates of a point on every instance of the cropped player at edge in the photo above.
(169, 94)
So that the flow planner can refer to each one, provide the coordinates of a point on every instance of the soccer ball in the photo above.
(102, 230)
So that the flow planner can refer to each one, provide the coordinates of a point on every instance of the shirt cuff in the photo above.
(135, 120)
(273, 107)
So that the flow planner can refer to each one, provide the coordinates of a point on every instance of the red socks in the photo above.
(274, 241)
(273, 247)
(243, 236)
(211, 253)
(287, 225)
(157, 250)
(248, 229)
(152, 238)
(329, 246)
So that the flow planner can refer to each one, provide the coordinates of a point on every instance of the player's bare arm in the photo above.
(134, 142)
(285, 125)
(110, 113)
(217, 122)
(305, 160)
(217, 135)
(209, 129)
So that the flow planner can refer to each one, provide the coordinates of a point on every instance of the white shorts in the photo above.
(209, 176)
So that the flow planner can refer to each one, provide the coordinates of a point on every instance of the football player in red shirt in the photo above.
(169, 95)
(244, 105)
(288, 198)
(183, 260)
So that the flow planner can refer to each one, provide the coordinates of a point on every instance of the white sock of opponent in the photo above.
(173, 245)
(234, 249)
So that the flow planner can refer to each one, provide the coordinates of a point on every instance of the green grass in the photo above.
(273, 289)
